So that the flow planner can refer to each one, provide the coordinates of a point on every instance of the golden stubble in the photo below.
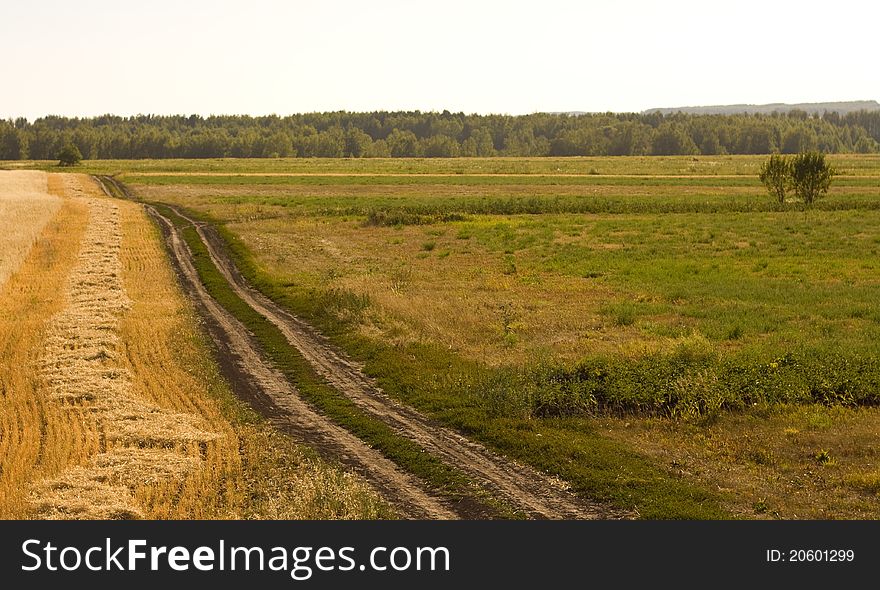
(37, 438)
(25, 208)
(159, 346)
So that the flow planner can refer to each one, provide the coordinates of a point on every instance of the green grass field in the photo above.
(851, 164)
(655, 331)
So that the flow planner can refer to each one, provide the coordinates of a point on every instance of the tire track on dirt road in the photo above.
(254, 378)
(521, 486)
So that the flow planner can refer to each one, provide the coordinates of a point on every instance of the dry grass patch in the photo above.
(285, 481)
(790, 462)
(459, 294)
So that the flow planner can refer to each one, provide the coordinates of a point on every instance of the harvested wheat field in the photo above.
(25, 208)
(113, 407)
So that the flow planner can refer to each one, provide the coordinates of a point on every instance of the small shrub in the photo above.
(811, 176)
(808, 174)
(69, 156)
(775, 175)
(698, 395)
(559, 392)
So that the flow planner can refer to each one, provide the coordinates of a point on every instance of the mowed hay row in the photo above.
(37, 438)
(86, 374)
(25, 208)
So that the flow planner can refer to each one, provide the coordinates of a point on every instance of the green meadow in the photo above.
(657, 332)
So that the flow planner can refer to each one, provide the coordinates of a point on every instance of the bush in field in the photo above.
(69, 155)
(808, 174)
(775, 174)
(693, 383)
(811, 176)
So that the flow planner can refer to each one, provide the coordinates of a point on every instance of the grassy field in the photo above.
(850, 164)
(652, 330)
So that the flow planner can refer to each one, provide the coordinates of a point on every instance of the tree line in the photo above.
(433, 134)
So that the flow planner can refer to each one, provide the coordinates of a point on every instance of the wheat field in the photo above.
(25, 208)
(112, 406)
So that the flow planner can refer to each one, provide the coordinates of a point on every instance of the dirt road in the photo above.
(528, 490)
(520, 486)
(265, 387)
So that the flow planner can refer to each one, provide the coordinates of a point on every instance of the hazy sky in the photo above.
(89, 57)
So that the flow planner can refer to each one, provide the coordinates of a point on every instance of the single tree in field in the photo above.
(811, 176)
(775, 174)
(69, 156)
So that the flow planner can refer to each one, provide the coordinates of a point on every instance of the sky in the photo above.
(90, 57)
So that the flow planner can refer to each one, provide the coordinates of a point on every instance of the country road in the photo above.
(527, 490)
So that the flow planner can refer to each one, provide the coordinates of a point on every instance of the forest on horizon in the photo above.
(438, 134)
